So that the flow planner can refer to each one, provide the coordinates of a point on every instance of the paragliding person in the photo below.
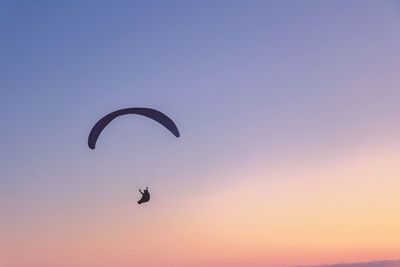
(145, 196)
(150, 113)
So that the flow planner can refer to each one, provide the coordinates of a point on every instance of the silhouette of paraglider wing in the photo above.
(147, 112)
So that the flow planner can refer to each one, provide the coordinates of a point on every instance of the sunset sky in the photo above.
(289, 113)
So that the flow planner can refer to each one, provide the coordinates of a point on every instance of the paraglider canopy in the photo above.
(147, 112)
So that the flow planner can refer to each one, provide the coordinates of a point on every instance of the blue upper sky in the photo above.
(275, 78)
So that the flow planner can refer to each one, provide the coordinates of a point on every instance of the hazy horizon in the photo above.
(385, 263)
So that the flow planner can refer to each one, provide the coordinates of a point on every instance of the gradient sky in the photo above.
(290, 133)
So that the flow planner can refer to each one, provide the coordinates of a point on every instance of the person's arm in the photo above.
(140, 191)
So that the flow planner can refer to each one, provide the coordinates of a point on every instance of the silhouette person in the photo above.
(145, 196)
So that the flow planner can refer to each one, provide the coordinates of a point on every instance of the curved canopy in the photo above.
(147, 112)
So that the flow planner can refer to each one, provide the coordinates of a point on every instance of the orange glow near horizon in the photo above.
(341, 211)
